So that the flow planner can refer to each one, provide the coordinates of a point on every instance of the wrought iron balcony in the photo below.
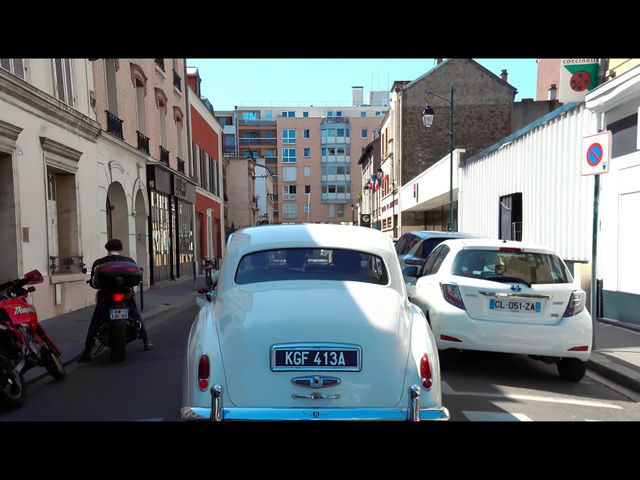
(180, 165)
(258, 141)
(67, 264)
(160, 63)
(164, 155)
(177, 81)
(143, 142)
(114, 125)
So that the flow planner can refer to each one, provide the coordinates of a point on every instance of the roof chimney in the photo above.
(553, 92)
(503, 75)
(357, 96)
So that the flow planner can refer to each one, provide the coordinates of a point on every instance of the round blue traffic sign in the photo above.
(594, 154)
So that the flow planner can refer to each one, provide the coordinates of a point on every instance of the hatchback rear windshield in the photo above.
(510, 266)
(311, 264)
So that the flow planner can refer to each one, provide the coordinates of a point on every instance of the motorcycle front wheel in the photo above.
(52, 363)
(12, 386)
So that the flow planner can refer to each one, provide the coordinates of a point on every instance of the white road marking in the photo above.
(447, 390)
(482, 416)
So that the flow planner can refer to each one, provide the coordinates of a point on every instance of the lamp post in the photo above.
(379, 175)
(427, 120)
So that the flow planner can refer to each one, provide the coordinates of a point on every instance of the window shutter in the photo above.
(68, 82)
(5, 63)
(18, 68)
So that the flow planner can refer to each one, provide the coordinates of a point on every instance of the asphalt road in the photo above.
(146, 386)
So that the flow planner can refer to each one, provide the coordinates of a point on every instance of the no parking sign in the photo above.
(596, 153)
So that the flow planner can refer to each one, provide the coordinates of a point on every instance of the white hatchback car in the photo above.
(504, 296)
(311, 322)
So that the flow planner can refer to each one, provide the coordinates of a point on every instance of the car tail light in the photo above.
(121, 297)
(582, 348)
(425, 372)
(576, 303)
(451, 294)
(447, 338)
(510, 250)
(203, 372)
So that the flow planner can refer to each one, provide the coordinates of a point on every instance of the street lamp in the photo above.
(427, 120)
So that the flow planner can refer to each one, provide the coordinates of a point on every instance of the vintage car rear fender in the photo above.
(422, 341)
(203, 338)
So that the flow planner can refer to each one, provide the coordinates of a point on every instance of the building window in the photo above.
(338, 114)
(289, 155)
(162, 110)
(289, 174)
(307, 208)
(14, 66)
(307, 152)
(305, 133)
(142, 116)
(62, 75)
(329, 114)
(110, 73)
(510, 217)
(290, 210)
(624, 135)
(249, 116)
(340, 213)
(305, 114)
(267, 115)
(307, 171)
(288, 136)
(289, 114)
(307, 189)
(364, 133)
(332, 210)
(179, 130)
(363, 114)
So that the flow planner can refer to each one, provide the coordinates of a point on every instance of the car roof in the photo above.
(311, 235)
(496, 242)
(441, 234)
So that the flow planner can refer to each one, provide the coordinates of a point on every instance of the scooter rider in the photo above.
(114, 247)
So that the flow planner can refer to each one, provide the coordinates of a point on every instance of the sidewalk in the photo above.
(69, 330)
(617, 352)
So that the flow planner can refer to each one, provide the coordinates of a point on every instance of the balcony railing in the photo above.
(258, 141)
(180, 165)
(229, 151)
(114, 125)
(160, 63)
(177, 81)
(164, 155)
(143, 142)
(335, 120)
(67, 264)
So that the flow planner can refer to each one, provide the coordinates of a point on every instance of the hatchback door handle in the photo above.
(316, 396)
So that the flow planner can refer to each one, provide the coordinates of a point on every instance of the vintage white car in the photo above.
(311, 322)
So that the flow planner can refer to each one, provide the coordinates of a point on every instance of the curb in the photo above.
(154, 312)
(617, 370)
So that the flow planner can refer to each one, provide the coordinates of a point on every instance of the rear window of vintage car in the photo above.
(311, 264)
(534, 268)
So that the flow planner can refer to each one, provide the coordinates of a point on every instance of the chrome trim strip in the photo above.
(414, 404)
(316, 396)
(522, 295)
(310, 413)
(314, 346)
(217, 413)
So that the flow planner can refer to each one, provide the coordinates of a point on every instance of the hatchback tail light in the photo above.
(451, 294)
(203, 372)
(576, 303)
(425, 372)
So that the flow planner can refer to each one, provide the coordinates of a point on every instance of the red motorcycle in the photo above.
(23, 342)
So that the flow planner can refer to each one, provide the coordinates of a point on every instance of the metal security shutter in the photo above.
(13, 65)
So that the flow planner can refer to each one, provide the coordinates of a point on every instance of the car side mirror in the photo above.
(411, 271)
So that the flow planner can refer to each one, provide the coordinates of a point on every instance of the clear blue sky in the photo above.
(322, 82)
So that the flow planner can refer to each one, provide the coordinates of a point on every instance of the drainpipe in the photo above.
(189, 163)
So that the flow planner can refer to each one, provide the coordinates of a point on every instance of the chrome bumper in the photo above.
(219, 413)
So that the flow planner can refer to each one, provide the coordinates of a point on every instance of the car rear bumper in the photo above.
(518, 338)
(348, 414)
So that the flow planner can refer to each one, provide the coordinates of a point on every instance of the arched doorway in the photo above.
(142, 256)
(118, 215)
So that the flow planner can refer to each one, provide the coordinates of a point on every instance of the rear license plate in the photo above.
(515, 306)
(118, 313)
(302, 357)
